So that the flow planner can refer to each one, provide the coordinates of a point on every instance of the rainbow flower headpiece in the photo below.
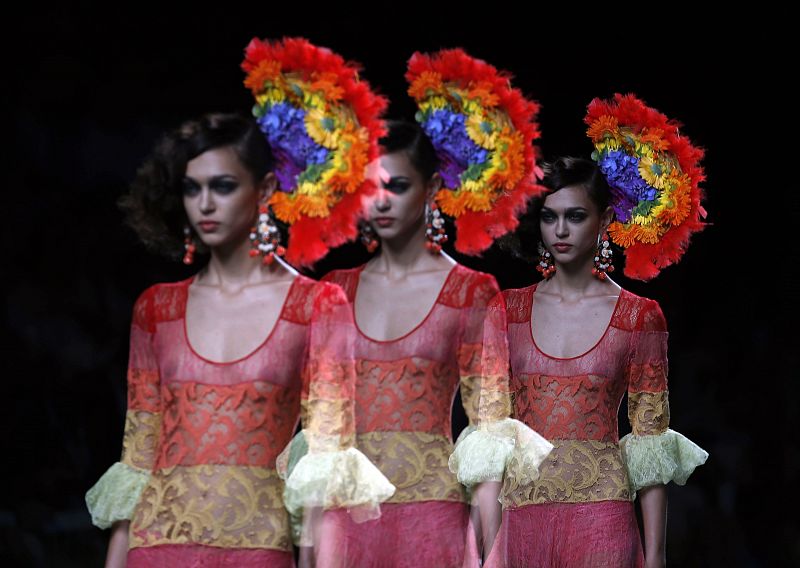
(654, 175)
(483, 132)
(323, 125)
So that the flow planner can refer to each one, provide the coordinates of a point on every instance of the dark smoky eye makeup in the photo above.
(577, 214)
(189, 186)
(223, 185)
(397, 185)
(547, 216)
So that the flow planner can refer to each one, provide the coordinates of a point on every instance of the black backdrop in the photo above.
(90, 90)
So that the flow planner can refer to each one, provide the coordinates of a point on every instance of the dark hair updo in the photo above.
(153, 206)
(409, 137)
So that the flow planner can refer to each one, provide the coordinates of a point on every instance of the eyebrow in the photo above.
(219, 177)
(568, 210)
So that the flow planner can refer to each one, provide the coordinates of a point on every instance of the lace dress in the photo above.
(579, 512)
(405, 390)
(197, 478)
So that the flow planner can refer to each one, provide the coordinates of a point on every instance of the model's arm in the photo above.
(117, 554)
(654, 454)
(113, 498)
(653, 501)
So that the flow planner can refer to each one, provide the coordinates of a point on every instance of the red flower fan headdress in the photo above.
(323, 125)
(654, 174)
(483, 131)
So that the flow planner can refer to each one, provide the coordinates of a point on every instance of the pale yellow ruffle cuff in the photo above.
(660, 458)
(116, 494)
(334, 479)
(496, 449)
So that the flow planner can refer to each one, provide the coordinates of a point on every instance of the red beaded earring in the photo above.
(265, 237)
(189, 247)
(603, 258)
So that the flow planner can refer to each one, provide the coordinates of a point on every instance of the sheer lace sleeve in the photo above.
(115, 495)
(321, 466)
(494, 441)
(653, 453)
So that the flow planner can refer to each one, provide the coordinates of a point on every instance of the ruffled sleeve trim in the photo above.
(116, 494)
(332, 479)
(496, 449)
(661, 458)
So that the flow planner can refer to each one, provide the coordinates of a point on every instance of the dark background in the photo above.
(89, 90)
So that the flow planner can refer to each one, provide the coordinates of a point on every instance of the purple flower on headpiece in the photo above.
(294, 150)
(456, 150)
(628, 189)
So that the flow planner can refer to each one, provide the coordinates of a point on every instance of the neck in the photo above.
(231, 267)
(574, 279)
(406, 253)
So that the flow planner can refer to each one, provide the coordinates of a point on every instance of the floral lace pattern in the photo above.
(573, 402)
(207, 434)
(405, 388)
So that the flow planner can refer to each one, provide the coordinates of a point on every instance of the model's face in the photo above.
(570, 224)
(220, 197)
(398, 206)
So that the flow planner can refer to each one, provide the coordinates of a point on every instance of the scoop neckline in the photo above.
(251, 353)
(416, 327)
(592, 348)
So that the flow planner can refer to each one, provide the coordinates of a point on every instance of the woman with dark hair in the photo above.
(412, 354)
(220, 363)
(577, 343)
(419, 318)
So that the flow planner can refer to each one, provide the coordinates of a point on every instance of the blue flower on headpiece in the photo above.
(629, 189)
(448, 133)
(294, 149)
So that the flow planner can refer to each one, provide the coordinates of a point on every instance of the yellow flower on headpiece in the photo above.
(432, 103)
(322, 127)
(678, 202)
(653, 172)
(481, 131)
(511, 144)
(640, 148)
(352, 159)
(270, 95)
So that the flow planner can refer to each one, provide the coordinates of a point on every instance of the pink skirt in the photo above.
(198, 556)
(569, 535)
(435, 534)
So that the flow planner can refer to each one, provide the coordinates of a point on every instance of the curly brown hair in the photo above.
(153, 206)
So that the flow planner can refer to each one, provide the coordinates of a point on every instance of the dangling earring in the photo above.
(604, 258)
(368, 236)
(435, 228)
(265, 237)
(545, 265)
(189, 247)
